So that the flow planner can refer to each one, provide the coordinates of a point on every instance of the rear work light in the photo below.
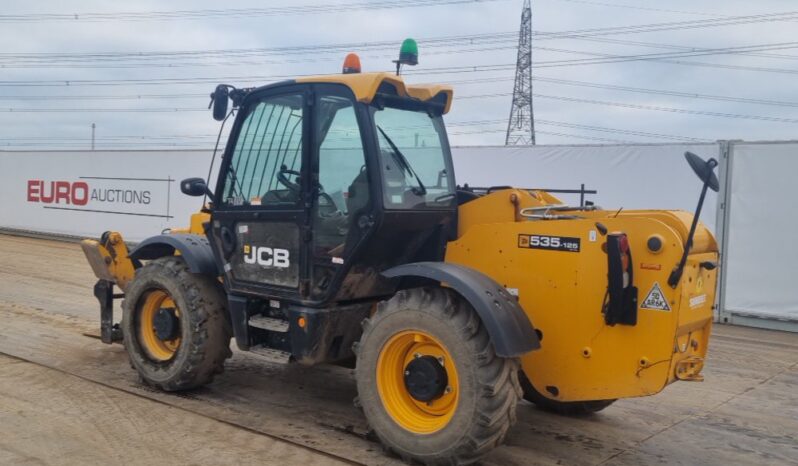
(620, 304)
(623, 243)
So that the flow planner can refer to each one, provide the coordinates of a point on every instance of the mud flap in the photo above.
(505, 321)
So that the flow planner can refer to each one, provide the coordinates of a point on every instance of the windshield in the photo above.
(414, 160)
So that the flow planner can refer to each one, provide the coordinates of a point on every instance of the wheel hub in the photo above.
(425, 378)
(166, 324)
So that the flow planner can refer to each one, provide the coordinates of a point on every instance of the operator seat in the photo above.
(358, 195)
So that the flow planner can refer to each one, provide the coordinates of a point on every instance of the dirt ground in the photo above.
(69, 399)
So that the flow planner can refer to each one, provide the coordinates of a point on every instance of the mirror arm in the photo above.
(676, 274)
(237, 95)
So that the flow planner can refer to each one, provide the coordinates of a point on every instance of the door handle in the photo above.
(365, 221)
(228, 241)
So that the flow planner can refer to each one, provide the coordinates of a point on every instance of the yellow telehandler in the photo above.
(336, 233)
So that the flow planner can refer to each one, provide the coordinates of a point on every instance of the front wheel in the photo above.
(564, 408)
(429, 380)
(174, 325)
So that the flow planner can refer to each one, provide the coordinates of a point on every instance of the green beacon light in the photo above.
(408, 54)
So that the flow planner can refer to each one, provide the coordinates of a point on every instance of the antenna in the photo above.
(521, 127)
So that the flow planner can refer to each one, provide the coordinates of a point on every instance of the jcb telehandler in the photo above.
(336, 233)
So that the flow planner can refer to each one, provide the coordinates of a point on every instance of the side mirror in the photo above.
(219, 102)
(195, 187)
(704, 169)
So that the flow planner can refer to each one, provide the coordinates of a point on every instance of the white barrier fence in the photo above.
(653, 176)
(759, 235)
(137, 192)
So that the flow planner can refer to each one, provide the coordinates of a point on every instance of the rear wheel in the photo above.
(565, 408)
(429, 381)
(174, 325)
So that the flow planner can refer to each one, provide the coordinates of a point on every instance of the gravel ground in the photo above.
(77, 401)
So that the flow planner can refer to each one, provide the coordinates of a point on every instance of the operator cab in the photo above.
(319, 174)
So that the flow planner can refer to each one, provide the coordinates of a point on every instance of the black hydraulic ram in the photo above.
(104, 292)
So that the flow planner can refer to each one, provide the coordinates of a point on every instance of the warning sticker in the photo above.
(699, 300)
(655, 300)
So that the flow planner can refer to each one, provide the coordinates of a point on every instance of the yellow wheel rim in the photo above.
(415, 416)
(156, 348)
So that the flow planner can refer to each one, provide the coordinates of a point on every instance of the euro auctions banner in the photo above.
(85, 193)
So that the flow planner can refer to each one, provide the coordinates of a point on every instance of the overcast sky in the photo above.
(769, 74)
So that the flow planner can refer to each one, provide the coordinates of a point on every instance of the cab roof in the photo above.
(365, 86)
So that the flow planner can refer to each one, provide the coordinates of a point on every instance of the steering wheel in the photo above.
(283, 179)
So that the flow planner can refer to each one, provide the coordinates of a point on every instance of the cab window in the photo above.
(343, 190)
(414, 159)
(265, 165)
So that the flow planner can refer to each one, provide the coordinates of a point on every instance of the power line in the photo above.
(72, 60)
(667, 26)
(667, 109)
(691, 95)
(100, 110)
(113, 138)
(481, 96)
(602, 129)
(591, 138)
(539, 35)
(620, 131)
(269, 78)
(641, 90)
(313, 49)
(610, 58)
(605, 58)
(677, 47)
(228, 12)
(209, 138)
(636, 7)
(244, 79)
(648, 57)
(121, 64)
(102, 97)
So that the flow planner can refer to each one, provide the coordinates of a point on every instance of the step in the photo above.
(271, 354)
(269, 323)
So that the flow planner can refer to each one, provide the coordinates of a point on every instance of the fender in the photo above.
(193, 248)
(506, 322)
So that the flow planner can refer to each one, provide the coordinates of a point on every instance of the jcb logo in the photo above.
(267, 257)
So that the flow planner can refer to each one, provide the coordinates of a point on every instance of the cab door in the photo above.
(342, 213)
(260, 218)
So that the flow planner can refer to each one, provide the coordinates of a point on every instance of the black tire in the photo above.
(204, 329)
(488, 387)
(564, 408)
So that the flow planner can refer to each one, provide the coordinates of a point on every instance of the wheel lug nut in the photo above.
(448, 390)
(407, 373)
(417, 355)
